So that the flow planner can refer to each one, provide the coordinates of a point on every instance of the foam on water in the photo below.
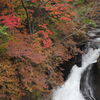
(70, 90)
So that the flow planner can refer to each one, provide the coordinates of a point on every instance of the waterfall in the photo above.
(70, 90)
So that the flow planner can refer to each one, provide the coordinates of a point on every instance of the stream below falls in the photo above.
(79, 85)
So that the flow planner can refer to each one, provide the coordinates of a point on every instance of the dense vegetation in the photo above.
(35, 37)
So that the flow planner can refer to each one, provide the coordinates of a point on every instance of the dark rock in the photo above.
(67, 65)
(98, 63)
(96, 81)
(93, 83)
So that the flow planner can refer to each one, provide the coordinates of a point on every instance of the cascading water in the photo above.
(70, 90)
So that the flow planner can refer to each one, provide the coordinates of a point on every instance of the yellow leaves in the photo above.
(8, 80)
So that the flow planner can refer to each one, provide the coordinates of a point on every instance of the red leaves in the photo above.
(38, 60)
(45, 34)
(43, 25)
(33, 1)
(24, 46)
(47, 43)
(10, 21)
(49, 31)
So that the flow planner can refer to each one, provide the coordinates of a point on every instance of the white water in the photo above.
(70, 90)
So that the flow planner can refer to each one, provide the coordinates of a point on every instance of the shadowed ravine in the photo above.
(83, 82)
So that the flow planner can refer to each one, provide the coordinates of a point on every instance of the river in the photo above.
(78, 86)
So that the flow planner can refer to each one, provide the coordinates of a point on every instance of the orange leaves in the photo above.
(65, 18)
(9, 84)
(60, 10)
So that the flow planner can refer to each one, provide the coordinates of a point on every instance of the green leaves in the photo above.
(4, 37)
(3, 34)
(3, 30)
(89, 22)
(78, 2)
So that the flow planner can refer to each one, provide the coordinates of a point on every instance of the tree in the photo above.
(33, 59)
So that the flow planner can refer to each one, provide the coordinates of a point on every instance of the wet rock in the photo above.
(92, 81)
(96, 81)
(98, 63)
(67, 65)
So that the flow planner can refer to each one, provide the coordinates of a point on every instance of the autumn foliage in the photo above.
(37, 44)
(10, 21)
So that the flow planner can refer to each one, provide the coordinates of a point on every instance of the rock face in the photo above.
(98, 63)
(93, 81)
(96, 81)
(93, 74)
(67, 65)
